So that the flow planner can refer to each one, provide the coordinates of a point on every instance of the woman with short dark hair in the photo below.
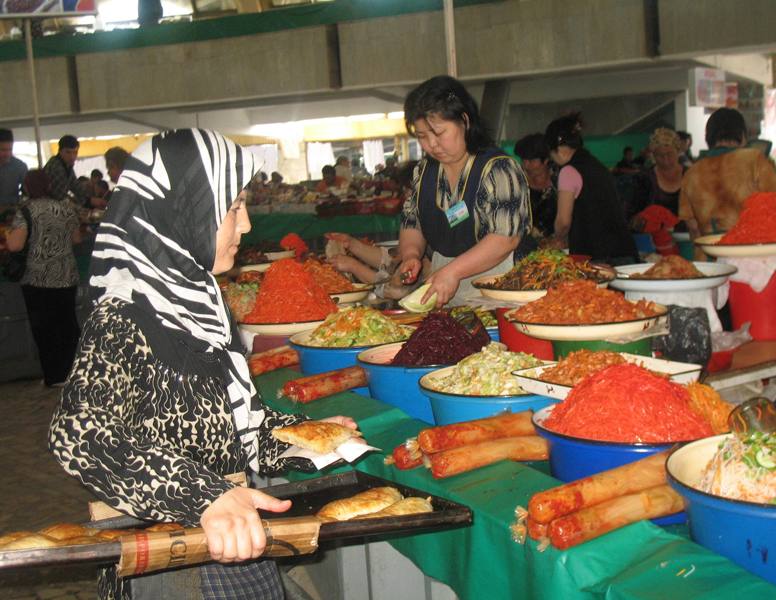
(469, 206)
(50, 279)
(590, 215)
(535, 156)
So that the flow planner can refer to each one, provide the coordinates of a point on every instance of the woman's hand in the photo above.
(409, 270)
(233, 527)
(445, 283)
(340, 420)
(343, 263)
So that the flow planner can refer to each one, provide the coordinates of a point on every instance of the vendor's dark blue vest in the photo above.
(451, 241)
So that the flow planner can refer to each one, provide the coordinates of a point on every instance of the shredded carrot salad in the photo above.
(756, 223)
(583, 302)
(628, 404)
(289, 294)
(328, 277)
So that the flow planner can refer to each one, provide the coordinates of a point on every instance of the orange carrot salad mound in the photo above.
(289, 294)
(628, 404)
(582, 303)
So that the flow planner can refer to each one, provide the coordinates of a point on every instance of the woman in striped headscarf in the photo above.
(159, 405)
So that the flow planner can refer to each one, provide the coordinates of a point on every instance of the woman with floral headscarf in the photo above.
(159, 406)
(661, 184)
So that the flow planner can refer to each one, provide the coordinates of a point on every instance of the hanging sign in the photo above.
(46, 8)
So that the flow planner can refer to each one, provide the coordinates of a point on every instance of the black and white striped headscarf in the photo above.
(156, 247)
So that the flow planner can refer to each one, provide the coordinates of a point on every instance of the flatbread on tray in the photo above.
(368, 501)
(317, 436)
(406, 506)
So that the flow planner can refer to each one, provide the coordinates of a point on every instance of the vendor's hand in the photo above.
(409, 270)
(445, 283)
(343, 263)
(233, 526)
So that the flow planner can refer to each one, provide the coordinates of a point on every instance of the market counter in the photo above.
(482, 561)
(274, 226)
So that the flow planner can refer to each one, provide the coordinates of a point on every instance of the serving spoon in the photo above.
(756, 414)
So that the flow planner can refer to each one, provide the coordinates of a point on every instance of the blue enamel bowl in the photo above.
(316, 359)
(455, 408)
(744, 532)
(573, 458)
(396, 385)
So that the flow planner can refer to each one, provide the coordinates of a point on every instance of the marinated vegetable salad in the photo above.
(487, 373)
(357, 326)
(743, 469)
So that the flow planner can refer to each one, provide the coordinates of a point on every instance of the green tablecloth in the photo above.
(482, 561)
(276, 225)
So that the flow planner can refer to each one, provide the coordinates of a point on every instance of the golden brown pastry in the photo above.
(317, 436)
(11, 537)
(406, 506)
(64, 531)
(368, 501)
(30, 542)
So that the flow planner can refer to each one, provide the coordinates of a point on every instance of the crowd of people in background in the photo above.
(657, 189)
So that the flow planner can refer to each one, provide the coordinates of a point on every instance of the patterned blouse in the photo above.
(502, 205)
(151, 439)
(50, 261)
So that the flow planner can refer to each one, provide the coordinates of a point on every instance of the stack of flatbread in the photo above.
(374, 503)
(317, 436)
(69, 534)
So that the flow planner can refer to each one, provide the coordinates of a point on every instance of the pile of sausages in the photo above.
(590, 507)
(452, 449)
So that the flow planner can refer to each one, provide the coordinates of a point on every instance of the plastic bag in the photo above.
(689, 338)
(730, 340)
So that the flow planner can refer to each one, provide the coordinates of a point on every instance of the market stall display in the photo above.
(621, 561)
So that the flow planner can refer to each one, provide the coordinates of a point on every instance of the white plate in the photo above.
(510, 295)
(261, 267)
(279, 255)
(709, 244)
(362, 291)
(679, 372)
(715, 274)
(582, 333)
(279, 328)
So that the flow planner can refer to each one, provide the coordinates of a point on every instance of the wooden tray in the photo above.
(308, 497)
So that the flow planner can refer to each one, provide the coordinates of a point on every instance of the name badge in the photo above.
(457, 213)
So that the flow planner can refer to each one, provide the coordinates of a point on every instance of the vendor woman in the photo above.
(470, 204)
